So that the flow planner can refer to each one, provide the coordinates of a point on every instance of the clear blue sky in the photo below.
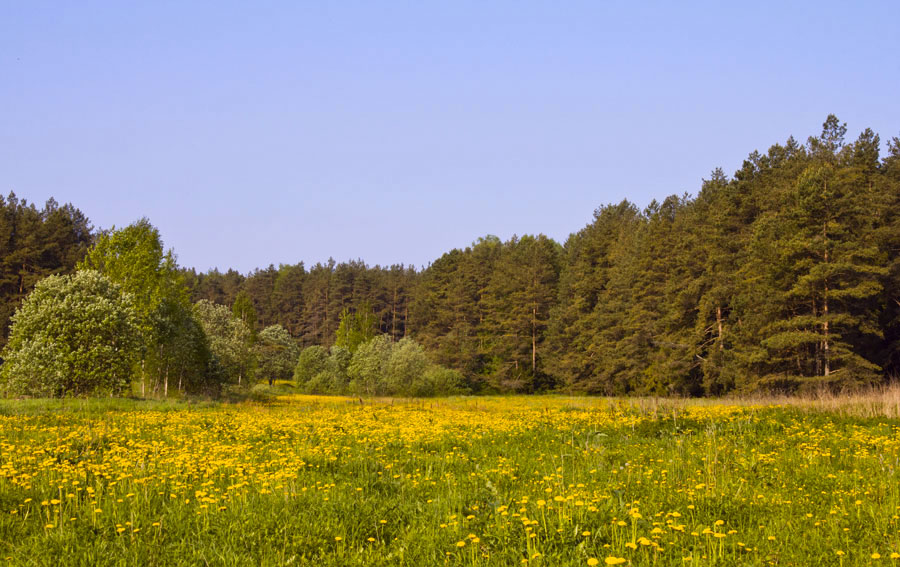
(266, 132)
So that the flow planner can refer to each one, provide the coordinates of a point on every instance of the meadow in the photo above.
(304, 480)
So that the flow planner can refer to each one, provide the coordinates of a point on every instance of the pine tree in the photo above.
(585, 326)
(518, 299)
(824, 273)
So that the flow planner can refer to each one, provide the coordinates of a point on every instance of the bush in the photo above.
(311, 362)
(74, 335)
(321, 383)
(367, 369)
(439, 381)
(379, 367)
(405, 367)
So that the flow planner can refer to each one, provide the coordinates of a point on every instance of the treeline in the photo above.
(783, 277)
(308, 302)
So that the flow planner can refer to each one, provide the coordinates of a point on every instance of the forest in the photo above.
(782, 277)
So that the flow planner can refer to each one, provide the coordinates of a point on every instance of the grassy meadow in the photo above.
(303, 480)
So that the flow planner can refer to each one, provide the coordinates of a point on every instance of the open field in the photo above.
(468, 481)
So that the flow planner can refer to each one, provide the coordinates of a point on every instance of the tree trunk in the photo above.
(325, 324)
(825, 329)
(394, 316)
(825, 302)
(719, 323)
(533, 340)
(818, 357)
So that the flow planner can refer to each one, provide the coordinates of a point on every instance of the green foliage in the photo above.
(379, 367)
(438, 381)
(229, 342)
(74, 335)
(404, 370)
(368, 368)
(189, 362)
(134, 258)
(356, 327)
(319, 372)
(312, 361)
(518, 299)
(243, 309)
(276, 353)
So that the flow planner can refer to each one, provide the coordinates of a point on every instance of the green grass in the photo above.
(329, 481)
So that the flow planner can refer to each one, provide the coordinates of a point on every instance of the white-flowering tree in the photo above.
(229, 340)
(74, 335)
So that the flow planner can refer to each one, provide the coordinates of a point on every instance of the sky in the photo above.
(262, 133)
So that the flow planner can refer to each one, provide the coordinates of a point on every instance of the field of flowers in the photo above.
(307, 480)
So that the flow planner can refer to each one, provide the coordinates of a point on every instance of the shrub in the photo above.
(406, 368)
(311, 362)
(368, 367)
(439, 381)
